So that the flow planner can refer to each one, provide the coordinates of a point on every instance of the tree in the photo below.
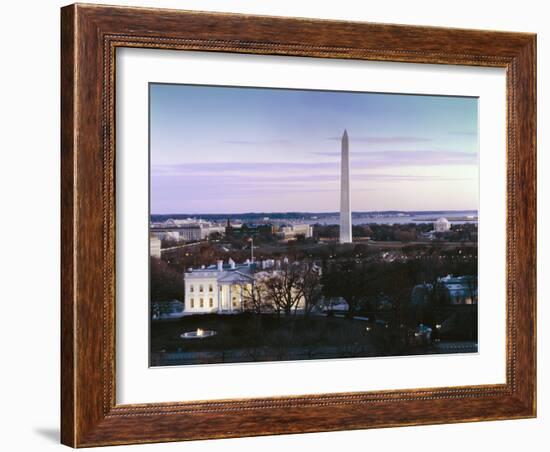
(207, 254)
(215, 236)
(405, 236)
(166, 283)
(256, 297)
(283, 288)
(348, 280)
(310, 286)
(397, 280)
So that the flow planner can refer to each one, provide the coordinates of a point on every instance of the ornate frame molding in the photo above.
(90, 37)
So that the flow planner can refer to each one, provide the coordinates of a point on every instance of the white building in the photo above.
(154, 246)
(223, 288)
(187, 230)
(294, 230)
(442, 225)
(460, 289)
(217, 288)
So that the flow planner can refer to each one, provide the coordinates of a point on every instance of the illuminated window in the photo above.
(192, 303)
(211, 302)
(202, 302)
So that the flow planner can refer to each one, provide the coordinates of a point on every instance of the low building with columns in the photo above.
(217, 288)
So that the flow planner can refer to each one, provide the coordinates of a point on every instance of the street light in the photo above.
(251, 240)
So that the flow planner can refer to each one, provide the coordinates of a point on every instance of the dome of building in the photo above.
(442, 225)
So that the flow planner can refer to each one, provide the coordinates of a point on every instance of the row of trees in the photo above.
(406, 232)
(380, 232)
(361, 283)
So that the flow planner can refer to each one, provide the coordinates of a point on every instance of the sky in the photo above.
(234, 150)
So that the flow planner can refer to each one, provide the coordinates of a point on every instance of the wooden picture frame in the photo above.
(89, 37)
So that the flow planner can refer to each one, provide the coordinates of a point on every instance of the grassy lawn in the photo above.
(267, 331)
(248, 337)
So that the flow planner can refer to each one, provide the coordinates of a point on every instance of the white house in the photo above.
(217, 288)
(223, 288)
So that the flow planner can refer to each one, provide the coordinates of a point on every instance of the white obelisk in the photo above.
(345, 212)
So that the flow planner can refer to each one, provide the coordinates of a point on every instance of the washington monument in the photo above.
(345, 213)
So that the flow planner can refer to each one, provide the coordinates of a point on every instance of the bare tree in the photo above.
(256, 297)
(310, 286)
(283, 288)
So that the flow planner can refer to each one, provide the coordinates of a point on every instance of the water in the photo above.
(454, 217)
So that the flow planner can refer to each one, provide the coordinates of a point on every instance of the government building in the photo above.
(217, 288)
(224, 288)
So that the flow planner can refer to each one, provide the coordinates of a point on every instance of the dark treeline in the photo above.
(208, 253)
(356, 269)
(364, 284)
(406, 232)
(166, 282)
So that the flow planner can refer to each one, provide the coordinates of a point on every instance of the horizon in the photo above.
(313, 212)
(220, 149)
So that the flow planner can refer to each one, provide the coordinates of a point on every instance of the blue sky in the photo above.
(233, 150)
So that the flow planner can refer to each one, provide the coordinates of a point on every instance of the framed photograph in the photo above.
(277, 225)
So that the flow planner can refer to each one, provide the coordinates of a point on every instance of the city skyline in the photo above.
(237, 150)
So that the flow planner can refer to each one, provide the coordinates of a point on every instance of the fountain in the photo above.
(199, 333)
